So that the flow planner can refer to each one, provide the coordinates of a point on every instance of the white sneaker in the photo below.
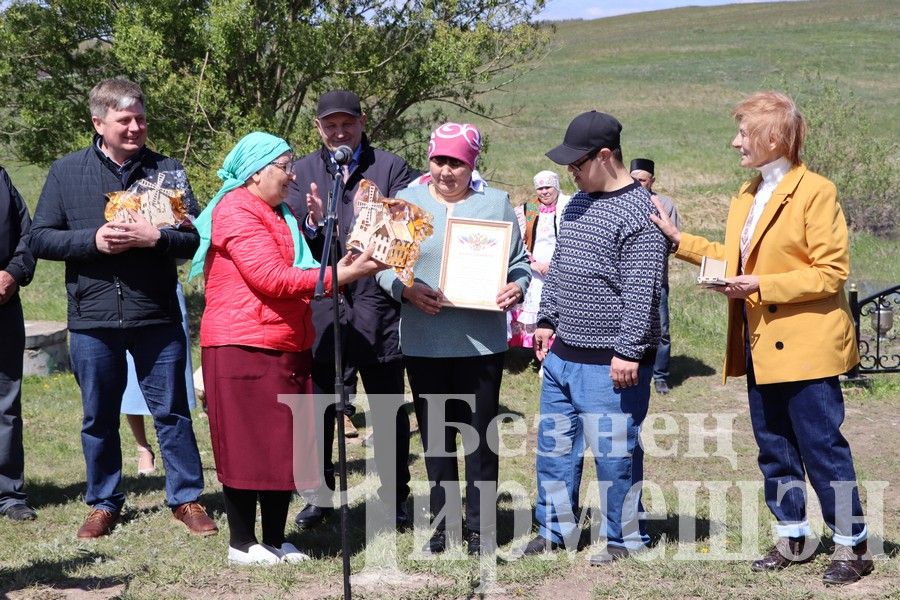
(290, 554)
(257, 554)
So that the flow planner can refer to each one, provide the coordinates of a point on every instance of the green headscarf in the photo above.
(252, 153)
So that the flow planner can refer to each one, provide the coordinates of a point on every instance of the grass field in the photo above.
(671, 77)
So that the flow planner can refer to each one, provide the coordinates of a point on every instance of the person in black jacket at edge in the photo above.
(16, 270)
(369, 317)
(120, 283)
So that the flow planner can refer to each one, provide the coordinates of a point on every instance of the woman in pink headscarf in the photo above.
(454, 356)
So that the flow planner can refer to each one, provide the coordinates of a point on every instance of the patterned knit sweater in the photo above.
(602, 289)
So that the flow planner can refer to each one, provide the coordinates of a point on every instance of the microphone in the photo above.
(343, 155)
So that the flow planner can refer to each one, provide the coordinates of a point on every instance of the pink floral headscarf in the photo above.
(461, 141)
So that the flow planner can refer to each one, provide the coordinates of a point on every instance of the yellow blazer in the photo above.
(799, 322)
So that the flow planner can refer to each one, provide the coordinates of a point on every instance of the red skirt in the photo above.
(259, 442)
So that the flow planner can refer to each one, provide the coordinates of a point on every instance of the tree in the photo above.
(212, 70)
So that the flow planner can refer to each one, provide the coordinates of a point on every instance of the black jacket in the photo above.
(370, 318)
(133, 289)
(15, 255)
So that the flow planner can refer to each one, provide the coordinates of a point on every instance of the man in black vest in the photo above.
(16, 269)
(642, 170)
(369, 317)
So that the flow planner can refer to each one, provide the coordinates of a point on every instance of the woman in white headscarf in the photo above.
(539, 221)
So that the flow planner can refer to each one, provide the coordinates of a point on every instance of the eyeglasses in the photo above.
(287, 167)
(576, 166)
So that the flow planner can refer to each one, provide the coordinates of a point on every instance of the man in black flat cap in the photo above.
(642, 169)
(601, 307)
(369, 317)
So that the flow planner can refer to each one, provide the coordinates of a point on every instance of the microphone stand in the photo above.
(330, 256)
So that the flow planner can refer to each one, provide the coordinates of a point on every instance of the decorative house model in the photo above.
(394, 227)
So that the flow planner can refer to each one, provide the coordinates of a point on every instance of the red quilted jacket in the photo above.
(254, 296)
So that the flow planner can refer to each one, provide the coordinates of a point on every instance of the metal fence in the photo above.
(876, 335)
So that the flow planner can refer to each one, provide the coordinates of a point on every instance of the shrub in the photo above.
(841, 146)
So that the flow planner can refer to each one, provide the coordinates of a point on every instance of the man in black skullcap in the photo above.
(642, 169)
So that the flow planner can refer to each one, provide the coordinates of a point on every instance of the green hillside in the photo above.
(673, 76)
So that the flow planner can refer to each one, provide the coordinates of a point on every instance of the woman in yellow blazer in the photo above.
(790, 331)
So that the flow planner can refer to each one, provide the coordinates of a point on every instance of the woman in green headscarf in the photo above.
(255, 336)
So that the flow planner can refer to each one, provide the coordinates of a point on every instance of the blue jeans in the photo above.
(578, 404)
(797, 426)
(133, 400)
(664, 350)
(98, 361)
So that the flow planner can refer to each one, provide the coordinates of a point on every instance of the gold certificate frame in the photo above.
(475, 262)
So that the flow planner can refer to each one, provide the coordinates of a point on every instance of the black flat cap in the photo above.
(338, 101)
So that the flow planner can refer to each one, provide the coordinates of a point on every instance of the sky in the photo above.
(557, 10)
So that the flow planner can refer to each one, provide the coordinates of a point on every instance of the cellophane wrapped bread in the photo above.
(160, 200)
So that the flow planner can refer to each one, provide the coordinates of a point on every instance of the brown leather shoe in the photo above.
(786, 552)
(849, 564)
(98, 523)
(195, 518)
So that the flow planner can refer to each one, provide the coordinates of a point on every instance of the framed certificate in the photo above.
(475, 262)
